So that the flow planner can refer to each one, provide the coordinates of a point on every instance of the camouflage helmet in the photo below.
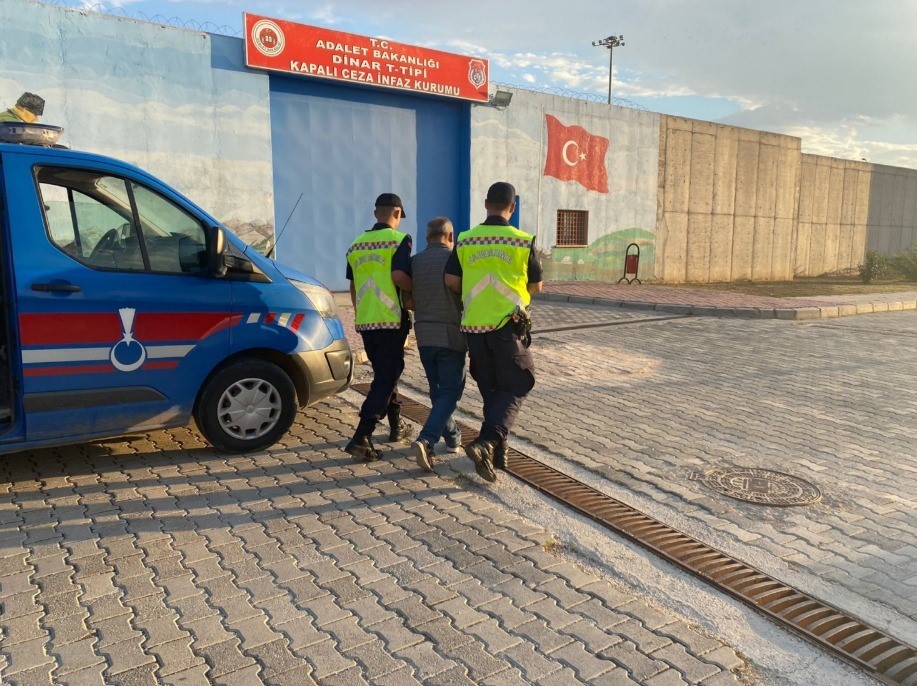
(31, 102)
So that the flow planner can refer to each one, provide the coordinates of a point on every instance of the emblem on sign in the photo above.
(268, 38)
(477, 73)
(127, 354)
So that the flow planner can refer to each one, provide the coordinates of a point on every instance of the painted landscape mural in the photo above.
(164, 100)
(568, 155)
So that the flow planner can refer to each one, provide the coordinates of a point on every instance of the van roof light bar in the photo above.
(23, 133)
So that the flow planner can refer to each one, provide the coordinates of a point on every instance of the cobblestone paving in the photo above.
(154, 560)
(650, 405)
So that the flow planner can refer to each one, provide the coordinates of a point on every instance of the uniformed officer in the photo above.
(495, 269)
(27, 109)
(379, 270)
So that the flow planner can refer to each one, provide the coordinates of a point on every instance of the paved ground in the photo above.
(156, 560)
(646, 406)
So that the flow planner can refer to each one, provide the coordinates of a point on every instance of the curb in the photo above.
(786, 313)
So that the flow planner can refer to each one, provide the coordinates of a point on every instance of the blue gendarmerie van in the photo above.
(126, 308)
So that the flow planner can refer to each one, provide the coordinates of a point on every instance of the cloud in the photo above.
(324, 15)
(817, 65)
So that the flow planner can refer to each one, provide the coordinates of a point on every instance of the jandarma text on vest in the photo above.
(499, 254)
(370, 257)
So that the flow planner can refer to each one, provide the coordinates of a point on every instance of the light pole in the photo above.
(611, 43)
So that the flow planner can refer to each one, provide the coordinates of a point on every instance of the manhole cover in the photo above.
(761, 486)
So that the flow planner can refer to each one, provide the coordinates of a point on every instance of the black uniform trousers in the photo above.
(505, 373)
(385, 350)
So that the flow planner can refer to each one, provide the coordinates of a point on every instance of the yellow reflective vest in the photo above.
(494, 260)
(370, 258)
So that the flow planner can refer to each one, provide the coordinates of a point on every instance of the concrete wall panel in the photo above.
(675, 247)
(832, 238)
(892, 215)
(766, 196)
(742, 246)
(822, 183)
(724, 171)
(677, 170)
(721, 236)
(862, 200)
(835, 192)
(747, 177)
(839, 202)
(844, 245)
(700, 194)
(762, 252)
(785, 229)
(803, 243)
(807, 194)
(898, 200)
(789, 167)
(910, 202)
(849, 196)
(697, 266)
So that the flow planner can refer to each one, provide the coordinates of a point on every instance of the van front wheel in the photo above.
(247, 406)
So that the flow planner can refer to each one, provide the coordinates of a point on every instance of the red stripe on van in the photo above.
(149, 327)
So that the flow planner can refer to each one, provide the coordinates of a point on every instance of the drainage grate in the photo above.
(874, 651)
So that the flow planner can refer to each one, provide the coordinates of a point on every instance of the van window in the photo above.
(175, 241)
(91, 228)
(94, 217)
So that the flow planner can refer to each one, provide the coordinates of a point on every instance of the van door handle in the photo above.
(56, 287)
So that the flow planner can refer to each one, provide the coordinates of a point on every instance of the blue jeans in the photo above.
(445, 370)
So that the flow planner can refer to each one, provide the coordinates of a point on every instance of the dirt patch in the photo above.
(803, 287)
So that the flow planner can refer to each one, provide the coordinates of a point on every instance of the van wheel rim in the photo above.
(249, 409)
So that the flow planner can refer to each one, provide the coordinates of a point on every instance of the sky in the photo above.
(840, 74)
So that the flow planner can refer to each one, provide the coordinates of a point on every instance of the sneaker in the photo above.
(423, 451)
(362, 449)
(482, 454)
(400, 429)
(453, 448)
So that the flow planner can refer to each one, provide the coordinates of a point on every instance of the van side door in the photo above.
(120, 320)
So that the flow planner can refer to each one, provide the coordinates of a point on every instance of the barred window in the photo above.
(572, 228)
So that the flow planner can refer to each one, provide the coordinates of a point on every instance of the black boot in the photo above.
(500, 455)
(482, 454)
(398, 428)
(361, 447)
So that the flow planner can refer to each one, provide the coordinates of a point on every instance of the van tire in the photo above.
(246, 406)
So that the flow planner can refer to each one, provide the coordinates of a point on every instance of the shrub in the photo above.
(875, 266)
(906, 264)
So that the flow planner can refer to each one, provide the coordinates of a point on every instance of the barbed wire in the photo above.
(225, 30)
(138, 15)
(570, 93)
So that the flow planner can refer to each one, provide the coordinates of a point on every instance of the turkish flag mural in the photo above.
(574, 154)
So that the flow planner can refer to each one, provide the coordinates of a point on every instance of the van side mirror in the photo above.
(216, 251)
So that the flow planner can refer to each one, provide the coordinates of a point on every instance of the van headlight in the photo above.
(321, 298)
